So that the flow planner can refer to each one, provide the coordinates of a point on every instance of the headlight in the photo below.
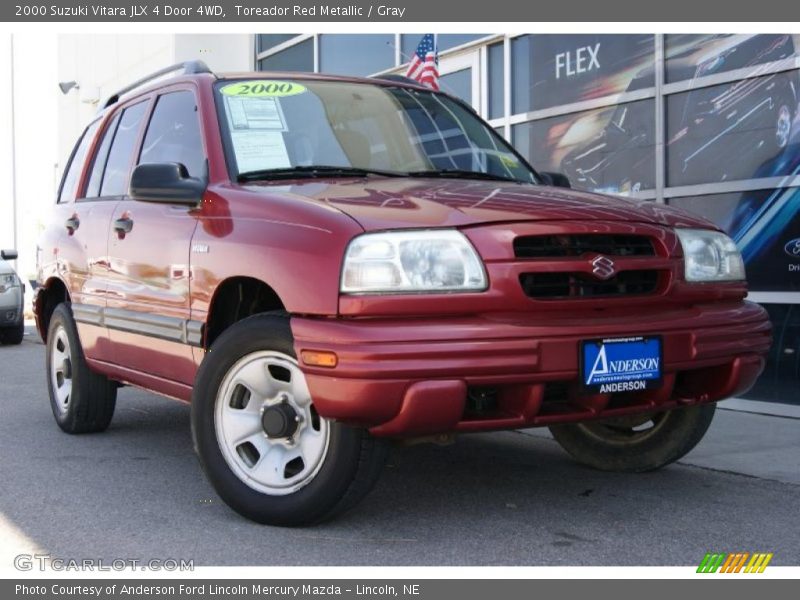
(412, 261)
(7, 281)
(710, 256)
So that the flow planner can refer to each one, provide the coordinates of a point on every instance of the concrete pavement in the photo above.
(512, 498)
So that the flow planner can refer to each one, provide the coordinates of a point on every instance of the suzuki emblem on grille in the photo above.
(603, 267)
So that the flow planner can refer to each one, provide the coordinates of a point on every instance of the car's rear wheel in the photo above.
(12, 335)
(265, 449)
(639, 443)
(82, 401)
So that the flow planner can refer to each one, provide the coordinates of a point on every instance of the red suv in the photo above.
(320, 265)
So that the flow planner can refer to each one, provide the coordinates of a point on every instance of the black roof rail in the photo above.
(189, 67)
(398, 78)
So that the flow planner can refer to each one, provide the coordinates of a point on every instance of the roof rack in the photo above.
(189, 67)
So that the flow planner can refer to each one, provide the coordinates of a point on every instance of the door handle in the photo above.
(123, 225)
(72, 224)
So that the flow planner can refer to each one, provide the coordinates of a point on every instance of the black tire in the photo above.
(347, 472)
(12, 335)
(621, 444)
(90, 403)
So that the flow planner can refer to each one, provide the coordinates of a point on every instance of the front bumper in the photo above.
(414, 376)
(11, 307)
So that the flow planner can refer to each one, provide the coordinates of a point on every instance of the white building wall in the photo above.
(6, 148)
(229, 53)
(101, 65)
(29, 157)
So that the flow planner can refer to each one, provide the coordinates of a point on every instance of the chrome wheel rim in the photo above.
(259, 386)
(61, 369)
(783, 126)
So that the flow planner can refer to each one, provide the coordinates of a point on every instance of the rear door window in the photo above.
(173, 134)
(120, 156)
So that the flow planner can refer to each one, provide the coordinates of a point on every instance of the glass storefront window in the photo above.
(265, 41)
(410, 41)
(458, 84)
(521, 75)
(691, 56)
(496, 80)
(551, 70)
(608, 149)
(358, 54)
(779, 382)
(295, 58)
(740, 130)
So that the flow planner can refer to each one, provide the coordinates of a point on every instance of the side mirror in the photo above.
(8, 254)
(555, 179)
(166, 183)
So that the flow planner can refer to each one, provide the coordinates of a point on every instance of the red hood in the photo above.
(396, 203)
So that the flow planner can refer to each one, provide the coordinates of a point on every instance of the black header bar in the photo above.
(393, 11)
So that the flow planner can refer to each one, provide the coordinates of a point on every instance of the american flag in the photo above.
(424, 65)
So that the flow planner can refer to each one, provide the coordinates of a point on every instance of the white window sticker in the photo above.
(258, 149)
(257, 125)
(253, 112)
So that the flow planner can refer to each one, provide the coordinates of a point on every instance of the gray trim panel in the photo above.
(88, 313)
(172, 329)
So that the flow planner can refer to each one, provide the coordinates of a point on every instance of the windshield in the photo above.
(288, 127)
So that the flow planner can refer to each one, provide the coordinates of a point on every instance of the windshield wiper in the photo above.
(312, 171)
(463, 173)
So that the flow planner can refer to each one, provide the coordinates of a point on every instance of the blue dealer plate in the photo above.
(614, 365)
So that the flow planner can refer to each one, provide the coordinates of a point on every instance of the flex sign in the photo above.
(581, 60)
(558, 69)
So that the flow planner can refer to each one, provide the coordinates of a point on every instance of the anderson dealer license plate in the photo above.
(621, 364)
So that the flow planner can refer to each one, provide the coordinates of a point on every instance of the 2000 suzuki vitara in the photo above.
(323, 264)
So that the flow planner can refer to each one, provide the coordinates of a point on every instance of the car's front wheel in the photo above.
(267, 452)
(638, 443)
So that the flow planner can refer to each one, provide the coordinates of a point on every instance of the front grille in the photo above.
(570, 245)
(556, 286)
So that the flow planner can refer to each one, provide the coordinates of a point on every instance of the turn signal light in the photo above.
(319, 359)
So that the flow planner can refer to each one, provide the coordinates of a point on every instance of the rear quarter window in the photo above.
(100, 158)
(72, 174)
